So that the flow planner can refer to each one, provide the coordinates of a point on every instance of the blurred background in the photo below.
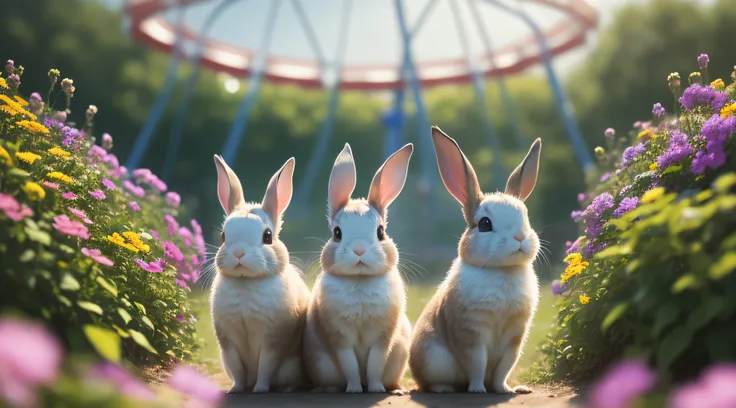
(170, 110)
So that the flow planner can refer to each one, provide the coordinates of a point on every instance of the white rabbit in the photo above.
(357, 330)
(471, 333)
(258, 300)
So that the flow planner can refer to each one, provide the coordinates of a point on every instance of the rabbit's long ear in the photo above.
(279, 190)
(522, 181)
(342, 181)
(229, 189)
(389, 179)
(457, 173)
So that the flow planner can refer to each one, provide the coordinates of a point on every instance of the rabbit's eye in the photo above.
(381, 233)
(337, 234)
(485, 225)
(223, 236)
(267, 236)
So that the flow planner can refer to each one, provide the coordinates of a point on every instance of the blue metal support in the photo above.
(506, 100)
(563, 104)
(306, 186)
(412, 79)
(190, 83)
(258, 68)
(480, 96)
(393, 120)
(144, 136)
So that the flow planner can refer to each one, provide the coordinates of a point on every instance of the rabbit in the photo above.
(258, 299)
(471, 333)
(357, 331)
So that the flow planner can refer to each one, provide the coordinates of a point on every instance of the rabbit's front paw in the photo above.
(354, 388)
(261, 388)
(477, 388)
(236, 389)
(376, 387)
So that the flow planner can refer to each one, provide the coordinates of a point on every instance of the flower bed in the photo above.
(652, 275)
(92, 250)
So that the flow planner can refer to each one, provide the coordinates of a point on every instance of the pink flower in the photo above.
(172, 225)
(63, 224)
(49, 184)
(108, 184)
(173, 198)
(157, 183)
(714, 389)
(13, 209)
(155, 235)
(80, 214)
(97, 256)
(622, 385)
(29, 356)
(126, 383)
(172, 251)
(134, 206)
(135, 190)
(98, 194)
(69, 195)
(142, 174)
(150, 267)
(188, 380)
(106, 141)
(119, 172)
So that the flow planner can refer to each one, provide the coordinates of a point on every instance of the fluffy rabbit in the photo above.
(258, 300)
(471, 333)
(357, 330)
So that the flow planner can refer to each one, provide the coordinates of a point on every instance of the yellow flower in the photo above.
(574, 258)
(34, 191)
(33, 126)
(645, 133)
(728, 110)
(60, 176)
(560, 341)
(653, 166)
(135, 240)
(28, 157)
(718, 84)
(21, 101)
(3, 83)
(572, 270)
(584, 299)
(652, 195)
(116, 239)
(11, 102)
(59, 152)
(5, 157)
(9, 110)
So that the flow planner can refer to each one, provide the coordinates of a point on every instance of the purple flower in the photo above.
(557, 289)
(69, 195)
(134, 206)
(112, 161)
(624, 190)
(80, 214)
(602, 203)
(697, 95)
(135, 190)
(185, 233)
(149, 267)
(593, 248)
(576, 215)
(703, 61)
(631, 153)
(609, 133)
(173, 198)
(626, 205)
(106, 141)
(108, 184)
(171, 224)
(30, 356)
(188, 380)
(714, 389)
(582, 197)
(63, 224)
(72, 137)
(658, 110)
(10, 66)
(172, 251)
(36, 97)
(98, 194)
(126, 383)
(622, 385)
(679, 149)
(97, 256)
(605, 177)
(157, 183)
(50, 122)
(96, 152)
(14, 81)
(574, 246)
(60, 116)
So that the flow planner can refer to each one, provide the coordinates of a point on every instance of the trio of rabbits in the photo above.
(352, 331)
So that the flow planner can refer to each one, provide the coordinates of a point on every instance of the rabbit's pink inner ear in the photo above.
(279, 191)
(389, 179)
(456, 171)
(342, 181)
(229, 190)
(522, 181)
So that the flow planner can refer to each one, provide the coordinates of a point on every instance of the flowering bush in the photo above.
(95, 252)
(652, 275)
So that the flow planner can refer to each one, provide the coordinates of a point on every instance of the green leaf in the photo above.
(148, 322)
(687, 281)
(140, 307)
(106, 342)
(27, 255)
(623, 249)
(142, 341)
(666, 315)
(614, 315)
(66, 248)
(90, 306)
(18, 172)
(125, 315)
(706, 312)
(703, 195)
(725, 182)
(64, 300)
(124, 334)
(69, 283)
(672, 169)
(109, 286)
(672, 346)
(724, 266)
(36, 235)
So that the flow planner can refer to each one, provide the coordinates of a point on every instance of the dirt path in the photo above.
(542, 397)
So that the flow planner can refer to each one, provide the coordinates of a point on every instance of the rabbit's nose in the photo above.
(519, 237)
(359, 250)
(238, 253)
